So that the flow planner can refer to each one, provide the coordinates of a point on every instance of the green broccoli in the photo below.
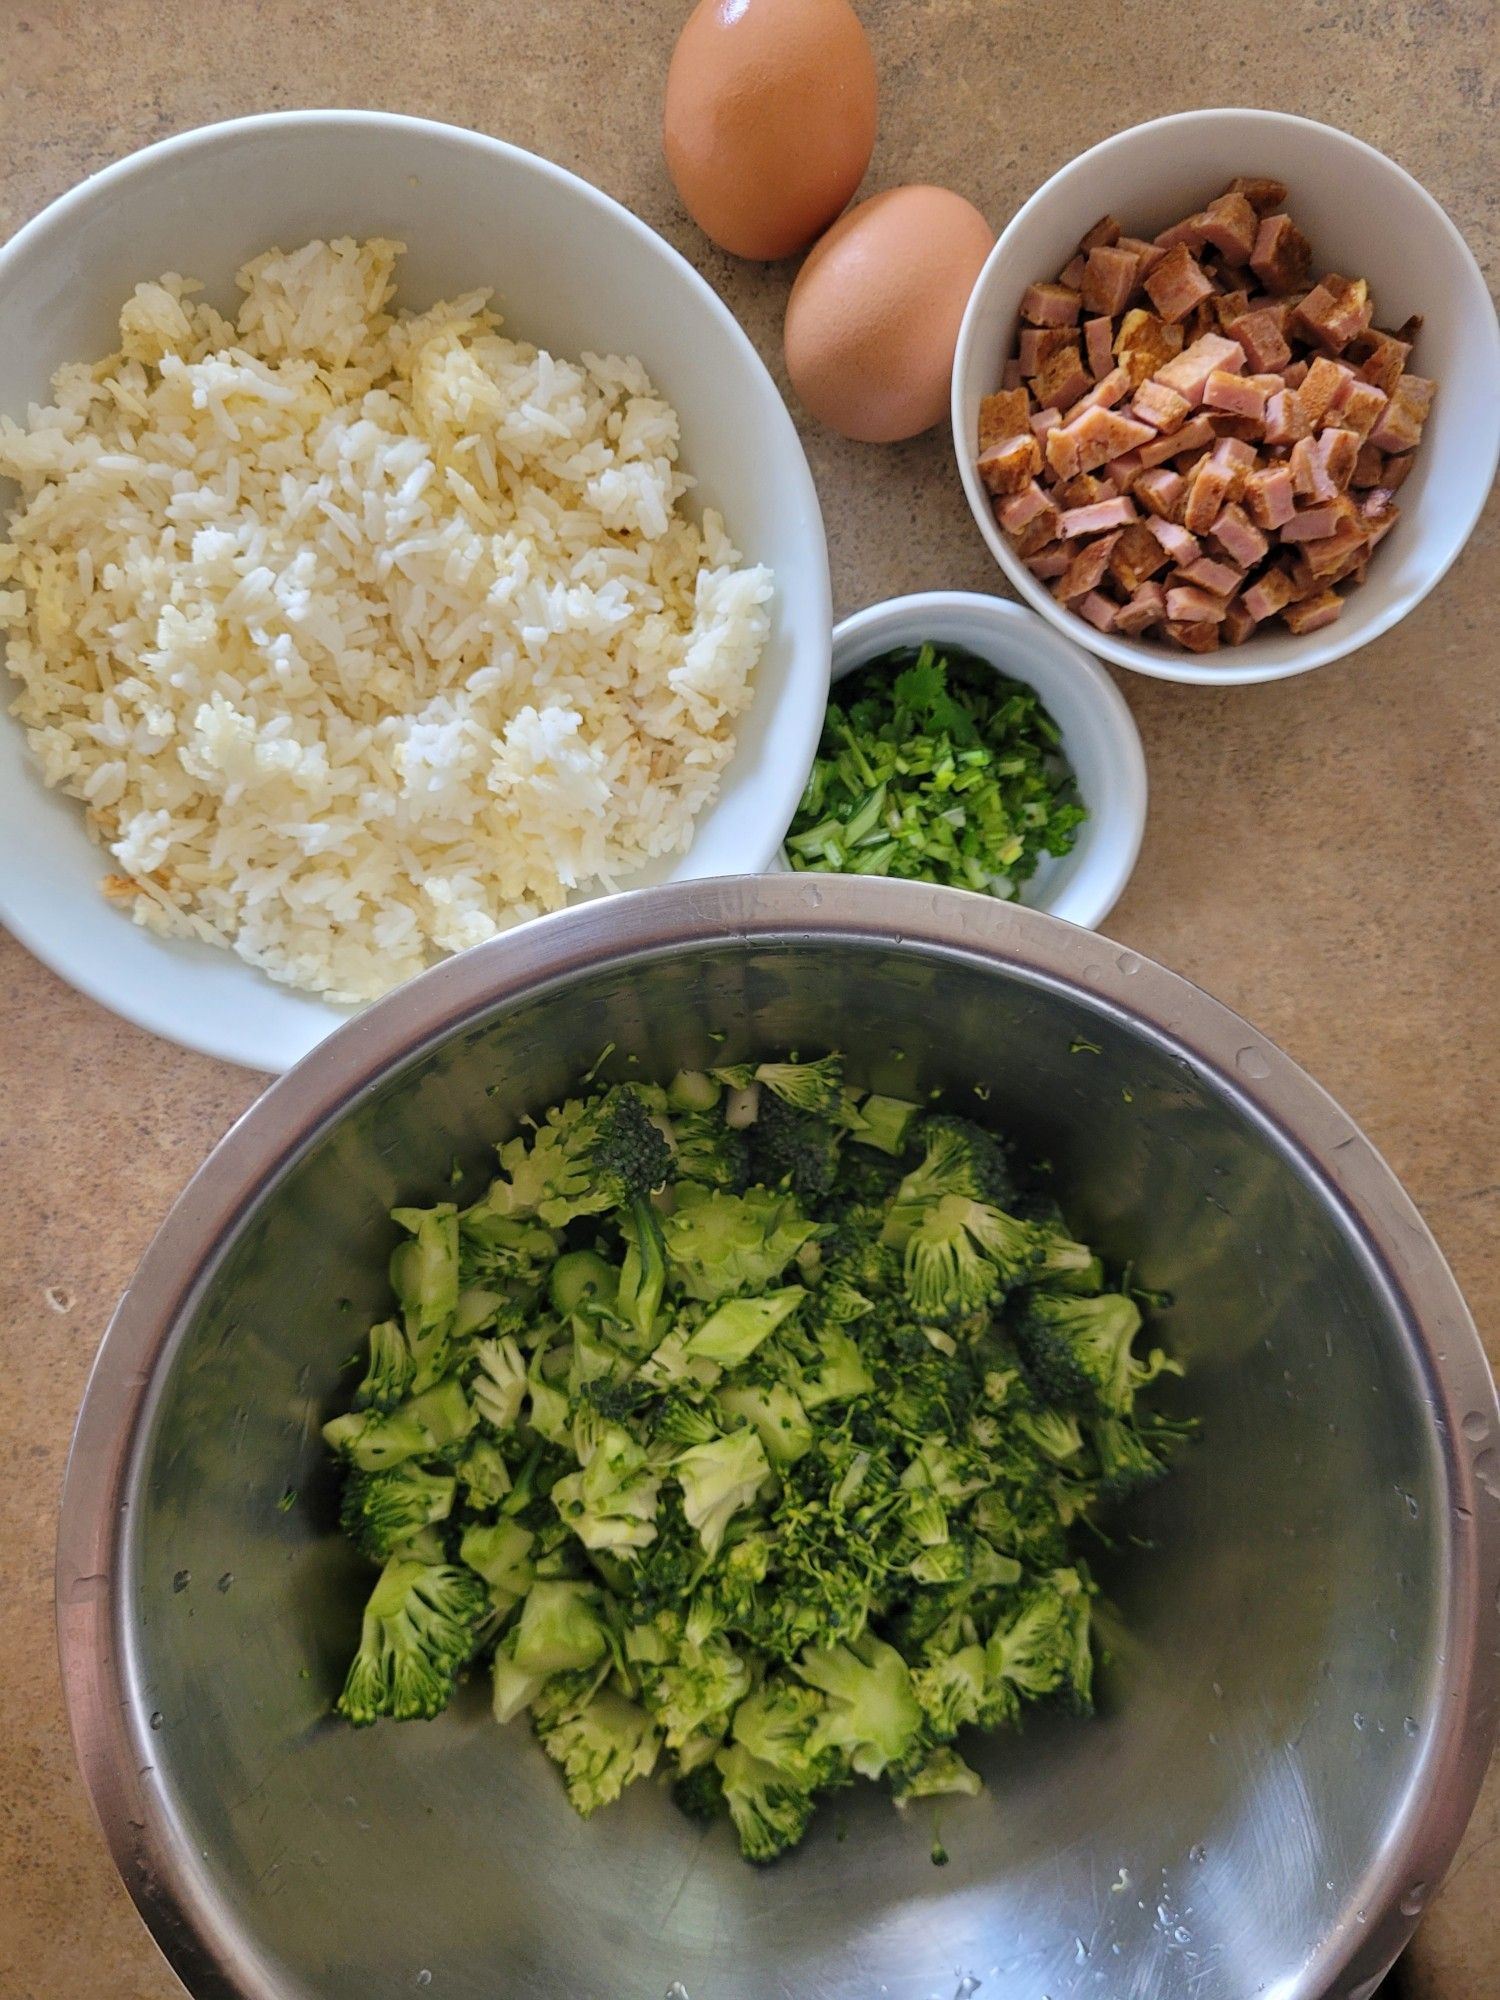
(873, 1717)
(1077, 1351)
(718, 1478)
(710, 1153)
(694, 1694)
(483, 1474)
(1131, 1455)
(500, 1552)
(950, 1689)
(429, 1425)
(380, 1510)
(808, 1086)
(946, 1274)
(424, 1270)
(884, 1123)
(546, 1403)
(940, 1772)
(497, 1387)
(958, 1158)
(724, 1595)
(582, 1281)
(825, 1366)
(1057, 1434)
(561, 1627)
(769, 1811)
(733, 1331)
(783, 1483)
(794, 1149)
(700, 1793)
(420, 1626)
(779, 1723)
(611, 1502)
(602, 1748)
(388, 1375)
(1063, 1265)
(776, 1411)
(1042, 1644)
(720, 1244)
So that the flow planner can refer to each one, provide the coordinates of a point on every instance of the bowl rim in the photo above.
(164, 1870)
(228, 1038)
(1112, 840)
(1160, 663)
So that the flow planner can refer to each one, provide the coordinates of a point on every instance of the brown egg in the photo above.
(769, 120)
(873, 318)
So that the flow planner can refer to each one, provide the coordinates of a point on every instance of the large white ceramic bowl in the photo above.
(1099, 736)
(572, 270)
(1365, 217)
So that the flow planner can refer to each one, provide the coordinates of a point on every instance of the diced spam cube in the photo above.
(1003, 415)
(1281, 255)
(1009, 466)
(1400, 425)
(1313, 613)
(1050, 305)
(1108, 280)
(1177, 284)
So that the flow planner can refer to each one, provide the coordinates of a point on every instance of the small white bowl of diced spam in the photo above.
(1225, 397)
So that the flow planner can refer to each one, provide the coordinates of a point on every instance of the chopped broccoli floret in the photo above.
(776, 1411)
(561, 1627)
(1078, 1351)
(873, 1717)
(498, 1386)
(611, 1503)
(825, 1366)
(719, 1244)
(388, 1376)
(958, 1158)
(380, 1510)
(708, 1151)
(430, 1424)
(602, 1748)
(794, 1149)
(806, 1086)
(500, 1552)
(885, 1123)
(940, 1772)
(951, 1690)
(694, 1693)
(419, 1628)
(1042, 1645)
(769, 1811)
(734, 1330)
(718, 1479)
(700, 1793)
(779, 1725)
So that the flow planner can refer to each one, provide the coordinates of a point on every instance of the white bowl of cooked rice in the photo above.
(411, 544)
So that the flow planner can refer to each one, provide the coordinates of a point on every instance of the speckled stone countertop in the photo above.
(1322, 853)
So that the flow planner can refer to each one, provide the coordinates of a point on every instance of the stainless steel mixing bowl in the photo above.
(1303, 1689)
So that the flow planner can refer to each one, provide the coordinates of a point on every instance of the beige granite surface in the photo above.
(1322, 854)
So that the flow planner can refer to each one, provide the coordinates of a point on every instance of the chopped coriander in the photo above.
(935, 768)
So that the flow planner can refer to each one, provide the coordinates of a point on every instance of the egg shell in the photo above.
(769, 120)
(873, 317)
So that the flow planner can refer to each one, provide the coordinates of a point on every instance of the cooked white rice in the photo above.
(362, 636)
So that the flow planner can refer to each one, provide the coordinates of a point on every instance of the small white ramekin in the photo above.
(1364, 216)
(1099, 736)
